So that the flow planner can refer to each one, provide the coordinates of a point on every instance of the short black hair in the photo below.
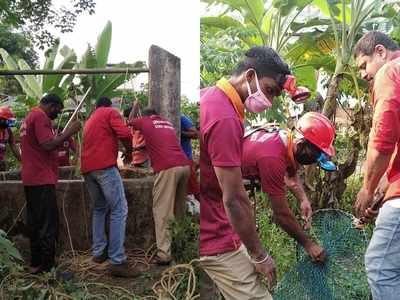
(52, 99)
(266, 62)
(103, 102)
(149, 111)
(367, 43)
(127, 111)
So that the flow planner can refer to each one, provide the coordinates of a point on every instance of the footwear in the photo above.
(101, 258)
(123, 270)
(161, 260)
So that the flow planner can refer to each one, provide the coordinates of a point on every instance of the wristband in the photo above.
(260, 261)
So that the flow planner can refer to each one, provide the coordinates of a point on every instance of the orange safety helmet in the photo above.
(318, 130)
(6, 113)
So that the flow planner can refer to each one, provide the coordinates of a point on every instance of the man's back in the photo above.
(162, 143)
(265, 157)
(100, 139)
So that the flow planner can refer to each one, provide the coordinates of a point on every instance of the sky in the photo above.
(173, 25)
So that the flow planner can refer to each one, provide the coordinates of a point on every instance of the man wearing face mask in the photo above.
(230, 249)
(272, 156)
(7, 120)
(39, 145)
(378, 58)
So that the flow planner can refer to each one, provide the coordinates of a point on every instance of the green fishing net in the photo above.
(342, 276)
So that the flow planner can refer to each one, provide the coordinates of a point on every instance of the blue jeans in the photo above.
(107, 193)
(382, 259)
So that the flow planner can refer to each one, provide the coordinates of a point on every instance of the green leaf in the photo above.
(222, 22)
(7, 248)
(103, 46)
(108, 84)
(285, 7)
(12, 65)
(305, 76)
(31, 80)
(68, 62)
(88, 60)
(50, 54)
(314, 22)
(254, 10)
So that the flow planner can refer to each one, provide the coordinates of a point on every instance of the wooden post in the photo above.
(165, 84)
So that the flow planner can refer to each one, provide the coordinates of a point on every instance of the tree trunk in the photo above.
(330, 104)
(326, 188)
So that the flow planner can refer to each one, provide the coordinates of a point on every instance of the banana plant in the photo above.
(97, 57)
(35, 86)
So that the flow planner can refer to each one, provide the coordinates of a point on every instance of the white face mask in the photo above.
(256, 102)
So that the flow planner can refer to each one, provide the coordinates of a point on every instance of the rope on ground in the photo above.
(172, 278)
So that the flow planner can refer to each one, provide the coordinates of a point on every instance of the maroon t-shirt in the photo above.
(265, 158)
(64, 152)
(100, 139)
(221, 133)
(162, 143)
(39, 167)
(5, 138)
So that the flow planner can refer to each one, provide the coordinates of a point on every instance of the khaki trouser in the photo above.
(169, 200)
(235, 276)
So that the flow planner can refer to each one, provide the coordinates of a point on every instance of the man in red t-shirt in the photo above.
(7, 120)
(101, 133)
(274, 158)
(64, 151)
(172, 169)
(378, 58)
(226, 219)
(39, 176)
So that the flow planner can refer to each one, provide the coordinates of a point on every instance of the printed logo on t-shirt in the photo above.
(163, 124)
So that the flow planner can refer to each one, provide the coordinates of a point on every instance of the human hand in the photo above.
(363, 201)
(73, 128)
(315, 251)
(306, 213)
(266, 266)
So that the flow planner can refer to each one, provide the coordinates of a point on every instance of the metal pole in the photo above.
(77, 108)
(75, 71)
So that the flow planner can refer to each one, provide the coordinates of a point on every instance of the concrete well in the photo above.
(74, 207)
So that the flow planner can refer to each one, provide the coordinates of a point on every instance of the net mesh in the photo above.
(342, 276)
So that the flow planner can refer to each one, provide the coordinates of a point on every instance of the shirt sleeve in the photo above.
(272, 174)
(42, 128)
(118, 125)
(385, 131)
(186, 123)
(224, 143)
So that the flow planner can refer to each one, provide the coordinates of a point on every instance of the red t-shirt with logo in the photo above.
(39, 167)
(162, 144)
(5, 138)
(385, 130)
(221, 133)
(265, 158)
(64, 152)
(100, 139)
